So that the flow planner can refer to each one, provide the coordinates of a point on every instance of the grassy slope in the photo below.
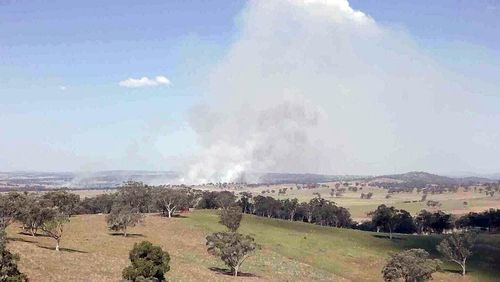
(290, 251)
(351, 254)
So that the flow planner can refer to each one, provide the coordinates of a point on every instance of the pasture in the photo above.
(291, 251)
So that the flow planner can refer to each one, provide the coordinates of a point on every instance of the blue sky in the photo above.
(62, 108)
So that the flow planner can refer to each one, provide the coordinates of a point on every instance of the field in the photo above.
(450, 202)
(291, 251)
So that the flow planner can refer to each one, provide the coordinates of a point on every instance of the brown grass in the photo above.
(89, 252)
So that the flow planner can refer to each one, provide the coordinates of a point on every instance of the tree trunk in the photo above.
(235, 271)
(390, 233)
(125, 232)
(463, 266)
(169, 214)
(57, 245)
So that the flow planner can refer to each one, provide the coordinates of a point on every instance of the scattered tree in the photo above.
(457, 247)
(54, 227)
(170, 200)
(122, 217)
(232, 248)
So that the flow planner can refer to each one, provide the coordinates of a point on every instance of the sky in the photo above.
(217, 88)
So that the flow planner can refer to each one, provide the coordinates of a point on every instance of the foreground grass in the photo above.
(291, 251)
(350, 254)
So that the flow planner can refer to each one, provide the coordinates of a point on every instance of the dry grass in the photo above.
(91, 253)
(291, 251)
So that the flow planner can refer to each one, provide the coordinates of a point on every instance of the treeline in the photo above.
(33, 209)
(392, 220)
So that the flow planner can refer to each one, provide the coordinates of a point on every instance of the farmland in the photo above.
(291, 251)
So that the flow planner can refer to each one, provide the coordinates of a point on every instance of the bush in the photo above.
(149, 263)
(8, 263)
(410, 265)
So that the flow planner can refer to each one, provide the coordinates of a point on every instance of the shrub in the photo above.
(411, 265)
(148, 263)
(8, 263)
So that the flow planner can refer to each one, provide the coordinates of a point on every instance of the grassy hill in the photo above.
(291, 251)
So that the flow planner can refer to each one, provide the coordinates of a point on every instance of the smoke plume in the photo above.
(315, 86)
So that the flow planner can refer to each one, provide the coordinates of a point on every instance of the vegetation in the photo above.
(169, 201)
(8, 263)
(267, 223)
(231, 218)
(123, 216)
(457, 247)
(411, 265)
(148, 263)
(54, 227)
(231, 247)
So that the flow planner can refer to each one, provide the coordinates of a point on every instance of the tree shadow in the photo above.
(387, 237)
(15, 239)
(173, 216)
(63, 249)
(228, 272)
(128, 234)
(29, 234)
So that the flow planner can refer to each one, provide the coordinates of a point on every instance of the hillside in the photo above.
(420, 178)
(291, 251)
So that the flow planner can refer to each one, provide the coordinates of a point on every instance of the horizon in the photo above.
(491, 176)
(216, 90)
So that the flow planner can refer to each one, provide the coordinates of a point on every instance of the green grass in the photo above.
(350, 254)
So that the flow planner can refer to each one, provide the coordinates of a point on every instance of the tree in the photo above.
(231, 218)
(32, 214)
(123, 216)
(170, 200)
(386, 217)
(63, 201)
(54, 227)
(8, 210)
(232, 248)
(245, 202)
(136, 195)
(225, 199)
(457, 247)
(8, 262)
(148, 263)
(98, 204)
(411, 265)
(290, 207)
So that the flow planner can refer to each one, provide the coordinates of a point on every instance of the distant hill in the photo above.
(89, 180)
(420, 179)
(302, 178)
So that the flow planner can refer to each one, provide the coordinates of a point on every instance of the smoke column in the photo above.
(315, 86)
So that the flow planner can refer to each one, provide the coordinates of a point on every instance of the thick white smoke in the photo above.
(315, 86)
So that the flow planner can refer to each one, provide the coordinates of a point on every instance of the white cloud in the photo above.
(63, 88)
(144, 82)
